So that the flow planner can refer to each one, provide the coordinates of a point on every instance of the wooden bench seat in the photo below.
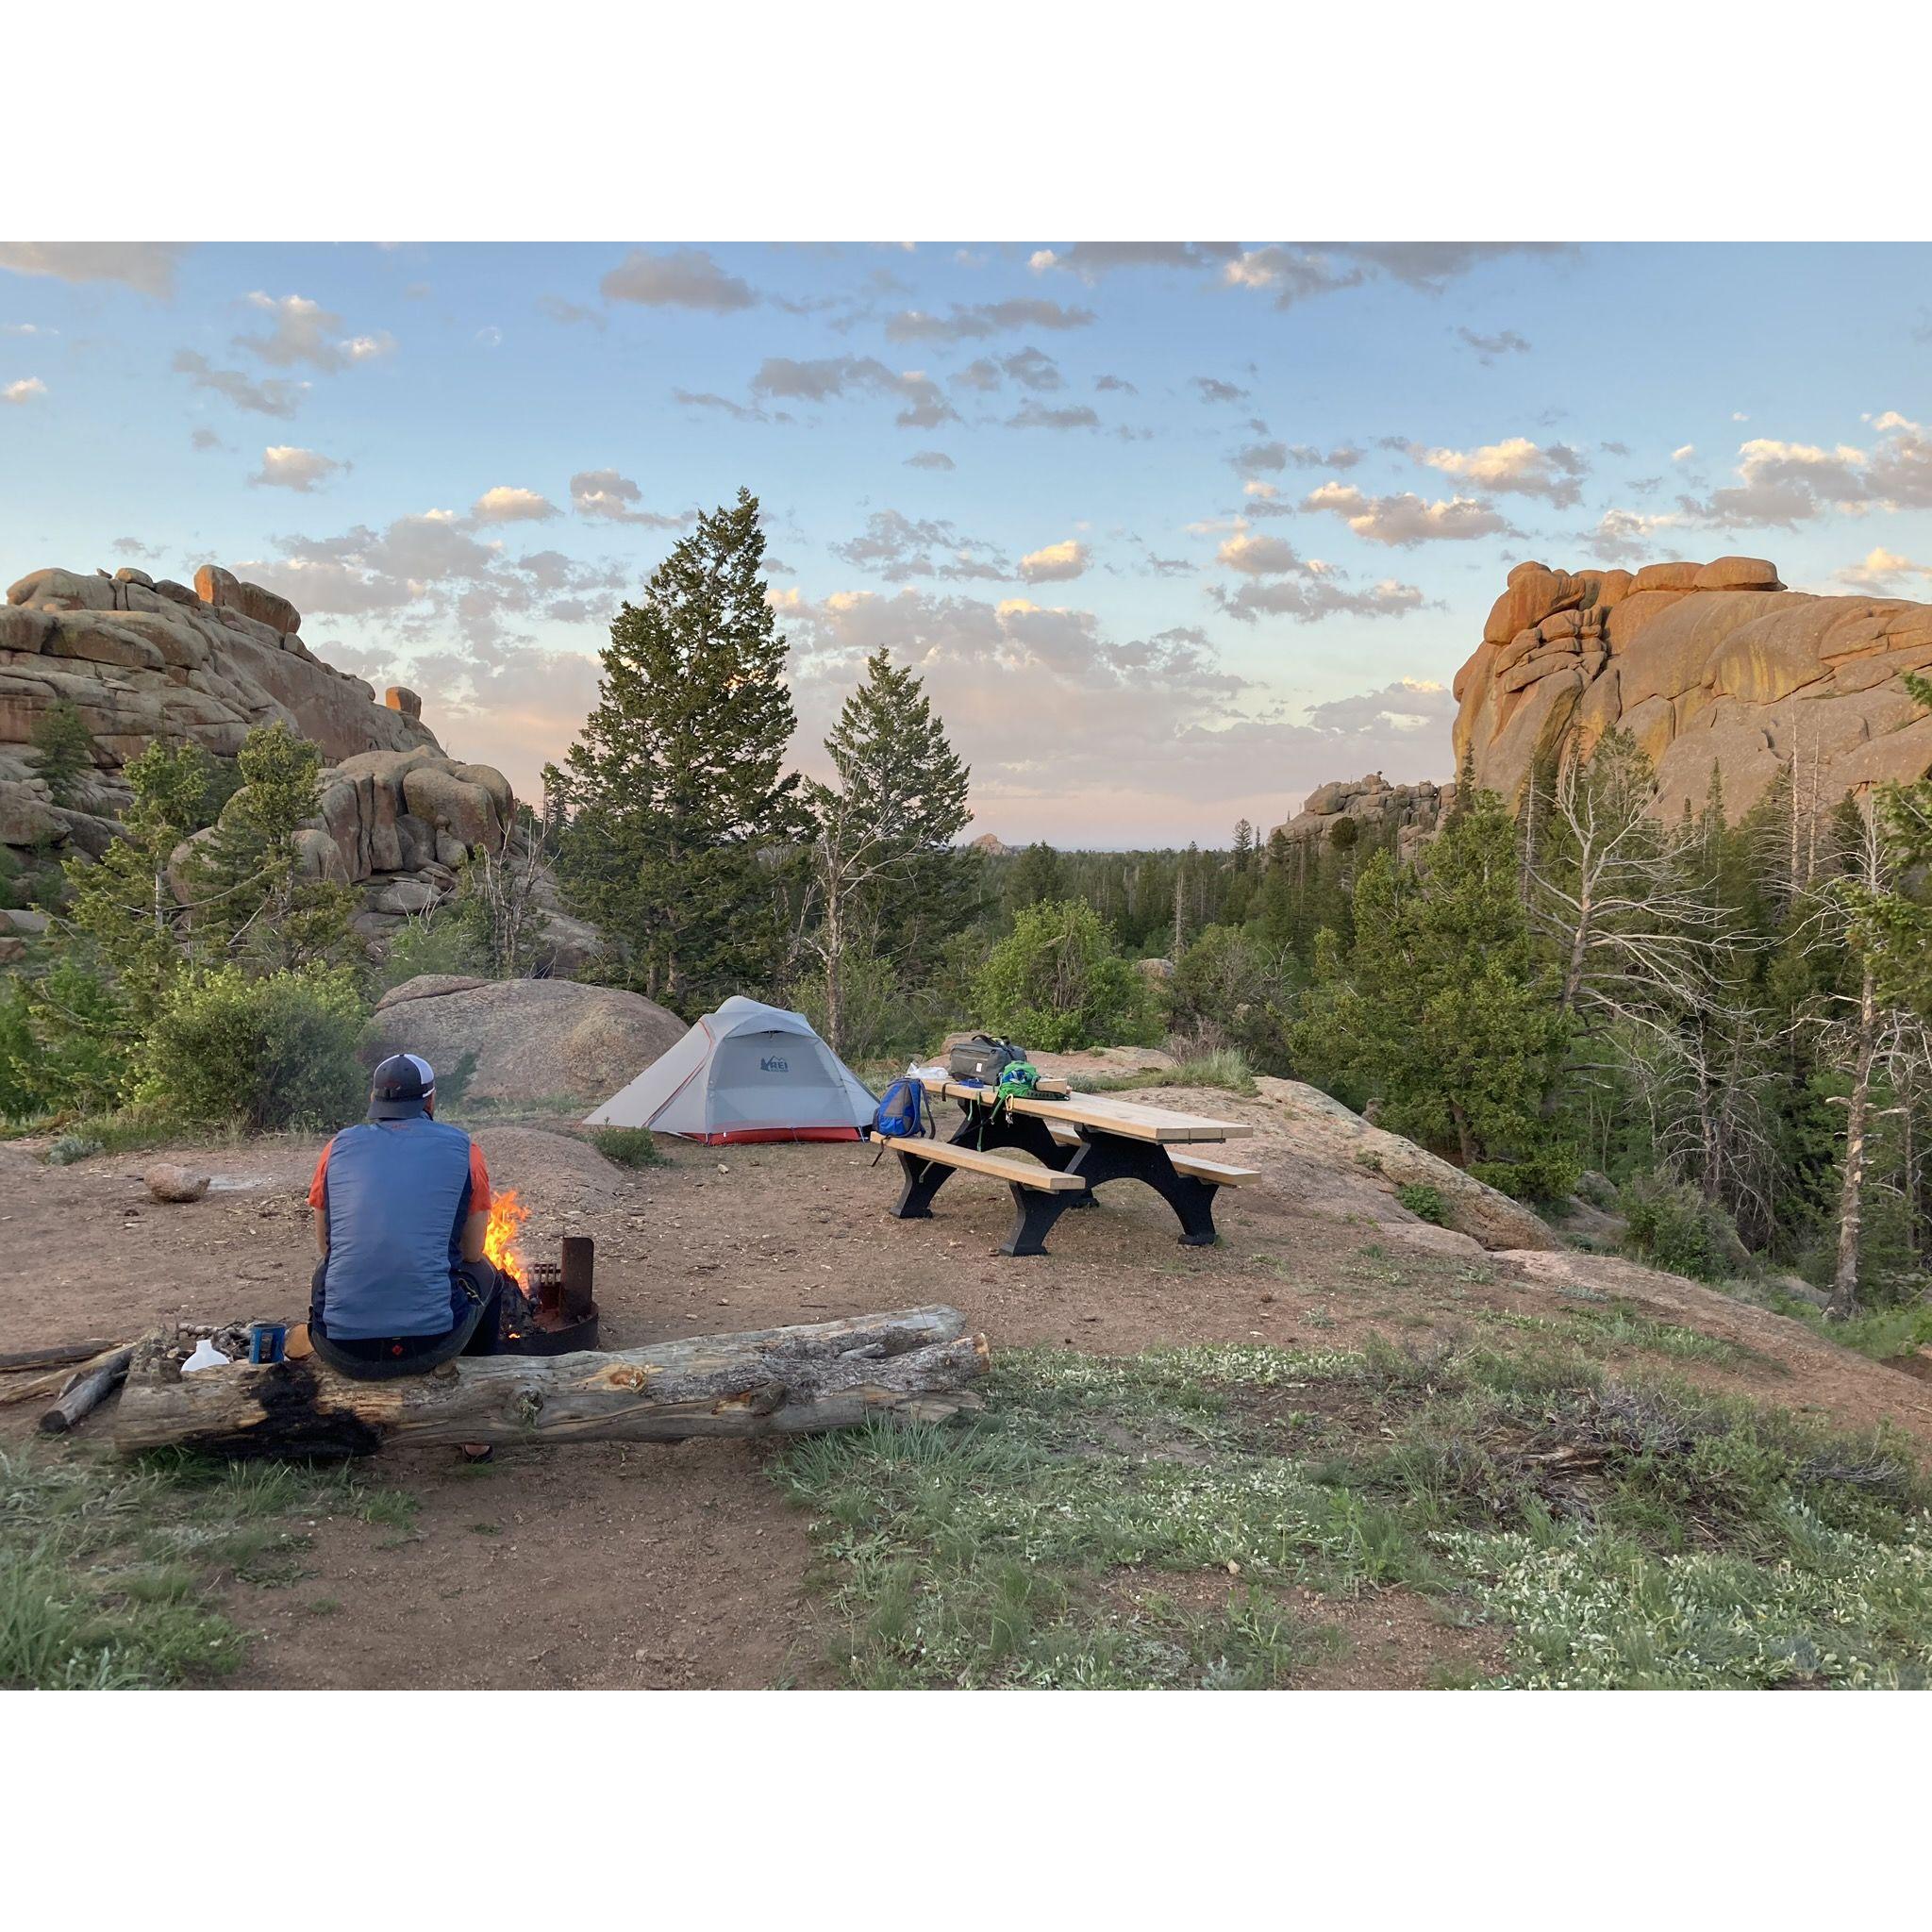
(1039, 1192)
(1216, 1174)
(1018, 1173)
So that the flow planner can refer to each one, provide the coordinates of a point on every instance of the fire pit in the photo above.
(548, 1307)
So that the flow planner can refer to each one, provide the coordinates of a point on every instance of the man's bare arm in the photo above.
(475, 1229)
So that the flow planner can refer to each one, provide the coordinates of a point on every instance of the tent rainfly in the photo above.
(747, 1071)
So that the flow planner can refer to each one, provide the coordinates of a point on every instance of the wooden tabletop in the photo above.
(1105, 1113)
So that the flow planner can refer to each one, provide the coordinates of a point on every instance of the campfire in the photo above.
(548, 1307)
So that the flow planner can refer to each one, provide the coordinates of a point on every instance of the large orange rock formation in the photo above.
(1706, 665)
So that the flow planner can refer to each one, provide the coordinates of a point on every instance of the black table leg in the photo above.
(924, 1179)
(1035, 1210)
(985, 1126)
(1114, 1158)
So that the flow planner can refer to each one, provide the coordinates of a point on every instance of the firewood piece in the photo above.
(56, 1355)
(61, 1380)
(768, 1382)
(88, 1391)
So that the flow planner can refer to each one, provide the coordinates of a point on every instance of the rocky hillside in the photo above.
(142, 659)
(1372, 804)
(1707, 665)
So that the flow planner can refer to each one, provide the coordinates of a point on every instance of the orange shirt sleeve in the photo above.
(317, 1184)
(480, 1181)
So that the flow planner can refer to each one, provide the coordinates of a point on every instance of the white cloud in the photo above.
(24, 391)
(284, 467)
(1258, 556)
(1515, 465)
(612, 498)
(929, 459)
(146, 266)
(1056, 563)
(1788, 483)
(505, 505)
(896, 547)
(685, 278)
(1683, 453)
(1405, 519)
(1881, 572)
(273, 396)
(820, 379)
(301, 330)
(980, 319)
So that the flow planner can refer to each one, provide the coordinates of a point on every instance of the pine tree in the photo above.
(1035, 877)
(677, 785)
(64, 749)
(885, 831)
(1441, 1010)
(249, 894)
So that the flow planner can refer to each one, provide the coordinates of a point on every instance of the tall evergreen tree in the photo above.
(1441, 1011)
(676, 787)
(885, 830)
(64, 750)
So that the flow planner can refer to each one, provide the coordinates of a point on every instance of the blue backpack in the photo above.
(905, 1113)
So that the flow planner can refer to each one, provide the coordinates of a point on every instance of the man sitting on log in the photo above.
(402, 1204)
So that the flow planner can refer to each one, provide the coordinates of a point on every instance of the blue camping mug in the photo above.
(266, 1341)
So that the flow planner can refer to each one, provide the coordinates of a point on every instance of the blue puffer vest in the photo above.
(397, 1195)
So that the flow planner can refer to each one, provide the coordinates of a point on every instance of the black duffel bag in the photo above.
(982, 1059)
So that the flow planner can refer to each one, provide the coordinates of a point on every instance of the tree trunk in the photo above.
(911, 1364)
(1851, 1212)
(835, 962)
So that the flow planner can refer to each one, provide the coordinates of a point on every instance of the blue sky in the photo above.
(1173, 531)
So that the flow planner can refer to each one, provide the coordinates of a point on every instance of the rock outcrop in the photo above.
(142, 660)
(1373, 806)
(1712, 665)
(532, 1040)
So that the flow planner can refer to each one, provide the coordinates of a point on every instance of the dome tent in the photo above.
(748, 1072)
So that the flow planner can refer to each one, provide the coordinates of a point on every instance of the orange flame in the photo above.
(506, 1216)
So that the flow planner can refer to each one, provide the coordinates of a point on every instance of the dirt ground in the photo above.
(679, 1568)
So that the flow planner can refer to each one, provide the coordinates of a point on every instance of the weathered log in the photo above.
(63, 1379)
(87, 1389)
(57, 1355)
(913, 1363)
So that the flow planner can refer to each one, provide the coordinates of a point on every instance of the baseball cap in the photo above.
(400, 1086)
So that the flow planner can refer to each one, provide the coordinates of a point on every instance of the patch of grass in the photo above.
(394, 1508)
(1225, 1068)
(109, 1570)
(1884, 1334)
(1619, 1325)
(72, 1147)
(1630, 1532)
(628, 1146)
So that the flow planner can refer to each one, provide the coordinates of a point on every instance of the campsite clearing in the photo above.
(642, 1565)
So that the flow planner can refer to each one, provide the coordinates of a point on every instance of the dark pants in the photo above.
(480, 1289)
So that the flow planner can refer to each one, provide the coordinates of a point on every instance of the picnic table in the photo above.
(1081, 1142)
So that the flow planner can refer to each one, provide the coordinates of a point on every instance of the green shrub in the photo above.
(628, 1146)
(65, 749)
(1425, 1201)
(1547, 1175)
(274, 1052)
(1054, 983)
(1672, 1226)
(72, 1147)
(435, 942)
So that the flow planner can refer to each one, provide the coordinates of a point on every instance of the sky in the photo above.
(1173, 531)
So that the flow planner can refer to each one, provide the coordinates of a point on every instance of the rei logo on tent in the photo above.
(770, 1064)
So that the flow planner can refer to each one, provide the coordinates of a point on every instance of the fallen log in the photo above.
(57, 1355)
(86, 1389)
(913, 1364)
(63, 1379)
